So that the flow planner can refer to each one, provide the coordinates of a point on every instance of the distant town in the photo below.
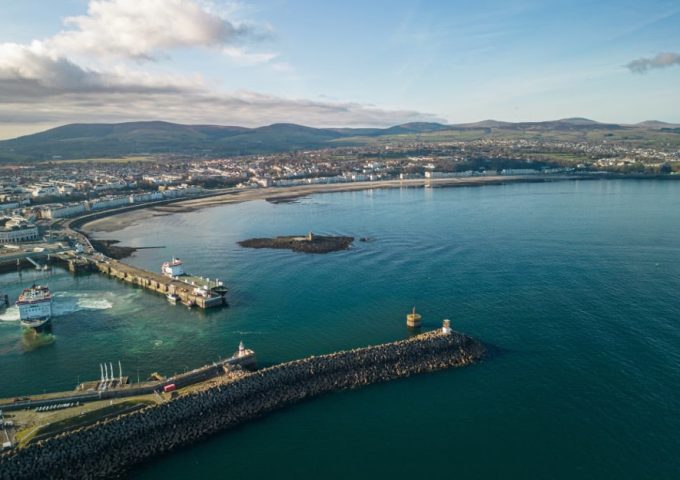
(36, 195)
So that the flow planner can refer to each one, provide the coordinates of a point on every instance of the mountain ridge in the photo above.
(97, 140)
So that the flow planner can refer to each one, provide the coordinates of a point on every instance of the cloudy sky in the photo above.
(340, 63)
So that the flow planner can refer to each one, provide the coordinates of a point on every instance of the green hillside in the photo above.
(82, 141)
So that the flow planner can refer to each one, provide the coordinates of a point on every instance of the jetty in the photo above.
(112, 445)
(191, 290)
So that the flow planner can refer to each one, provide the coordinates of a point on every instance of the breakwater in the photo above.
(110, 446)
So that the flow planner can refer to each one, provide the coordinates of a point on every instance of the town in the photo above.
(33, 197)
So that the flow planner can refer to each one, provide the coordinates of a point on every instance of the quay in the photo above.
(190, 290)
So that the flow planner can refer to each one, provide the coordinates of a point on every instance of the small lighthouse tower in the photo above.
(241, 349)
(446, 327)
(413, 319)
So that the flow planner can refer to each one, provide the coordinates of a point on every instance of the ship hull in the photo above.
(37, 324)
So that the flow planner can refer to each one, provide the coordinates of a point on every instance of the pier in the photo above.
(190, 290)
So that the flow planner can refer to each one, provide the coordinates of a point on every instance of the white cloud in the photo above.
(243, 57)
(70, 77)
(32, 73)
(142, 29)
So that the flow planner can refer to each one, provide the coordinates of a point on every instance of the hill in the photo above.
(137, 138)
(78, 141)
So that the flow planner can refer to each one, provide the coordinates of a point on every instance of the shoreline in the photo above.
(118, 220)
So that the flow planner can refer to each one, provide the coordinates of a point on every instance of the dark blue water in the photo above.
(576, 284)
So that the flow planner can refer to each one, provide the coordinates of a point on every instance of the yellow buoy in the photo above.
(413, 319)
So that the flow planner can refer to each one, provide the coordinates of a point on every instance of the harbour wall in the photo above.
(197, 375)
(109, 447)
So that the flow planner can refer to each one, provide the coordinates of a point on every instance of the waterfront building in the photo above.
(109, 202)
(17, 229)
(59, 210)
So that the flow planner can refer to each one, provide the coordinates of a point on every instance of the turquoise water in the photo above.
(576, 284)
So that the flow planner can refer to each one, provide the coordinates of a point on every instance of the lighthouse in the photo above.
(446, 327)
(241, 349)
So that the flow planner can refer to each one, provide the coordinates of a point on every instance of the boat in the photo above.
(172, 298)
(188, 304)
(35, 307)
(173, 268)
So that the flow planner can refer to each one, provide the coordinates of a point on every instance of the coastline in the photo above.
(118, 220)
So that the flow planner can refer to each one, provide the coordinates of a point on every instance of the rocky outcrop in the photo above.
(111, 446)
(308, 243)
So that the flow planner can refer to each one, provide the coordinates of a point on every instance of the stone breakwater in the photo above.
(107, 448)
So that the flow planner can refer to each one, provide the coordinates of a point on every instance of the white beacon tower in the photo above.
(446, 327)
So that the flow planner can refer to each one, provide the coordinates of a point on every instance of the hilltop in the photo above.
(78, 141)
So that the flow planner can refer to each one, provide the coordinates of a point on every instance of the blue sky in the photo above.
(336, 63)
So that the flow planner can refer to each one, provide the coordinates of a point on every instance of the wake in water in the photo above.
(32, 340)
(64, 304)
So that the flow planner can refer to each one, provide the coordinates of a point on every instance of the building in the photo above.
(59, 210)
(17, 229)
(109, 202)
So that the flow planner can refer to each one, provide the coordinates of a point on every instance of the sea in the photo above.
(573, 285)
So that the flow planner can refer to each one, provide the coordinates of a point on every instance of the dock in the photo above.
(191, 290)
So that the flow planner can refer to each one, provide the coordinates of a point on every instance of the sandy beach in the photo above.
(118, 221)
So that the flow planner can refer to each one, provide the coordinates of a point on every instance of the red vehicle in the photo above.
(169, 388)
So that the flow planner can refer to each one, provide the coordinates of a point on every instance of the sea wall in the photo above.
(109, 447)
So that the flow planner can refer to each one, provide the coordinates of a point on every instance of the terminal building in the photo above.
(17, 229)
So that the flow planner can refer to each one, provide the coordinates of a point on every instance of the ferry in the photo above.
(173, 268)
(35, 307)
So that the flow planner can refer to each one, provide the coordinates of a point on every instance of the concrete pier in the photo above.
(185, 291)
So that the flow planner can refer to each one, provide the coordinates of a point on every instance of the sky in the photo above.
(336, 63)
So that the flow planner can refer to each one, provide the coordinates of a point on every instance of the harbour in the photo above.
(191, 290)
(288, 306)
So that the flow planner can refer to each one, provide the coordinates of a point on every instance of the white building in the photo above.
(45, 191)
(16, 229)
(145, 197)
(62, 211)
(108, 202)
(519, 171)
(467, 173)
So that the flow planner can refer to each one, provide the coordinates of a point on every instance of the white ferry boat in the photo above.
(35, 307)
(173, 268)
